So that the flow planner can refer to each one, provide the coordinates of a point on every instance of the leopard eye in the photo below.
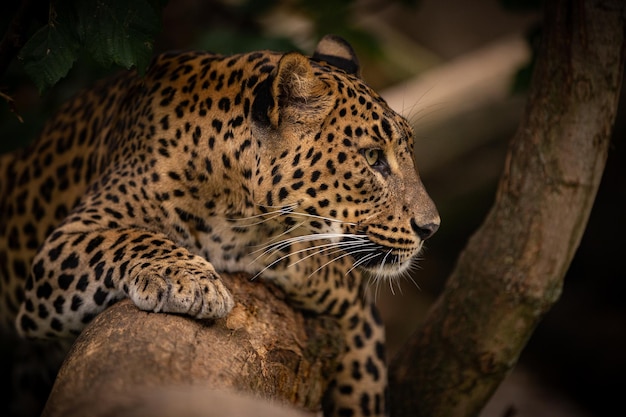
(375, 158)
(372, 156)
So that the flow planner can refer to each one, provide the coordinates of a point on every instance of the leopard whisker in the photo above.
(342, 256)
(367, 258)
(328, 263)
(377, 277)
(267, 249)
(288, 210)
(305, 238)
(363, 260)
(410, 271)
(286, 232)
(339, 246)
(316, 216)
(328, 246)
(333, 245)
(274, 215)
(283, 210)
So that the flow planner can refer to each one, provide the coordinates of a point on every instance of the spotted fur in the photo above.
(287, 167)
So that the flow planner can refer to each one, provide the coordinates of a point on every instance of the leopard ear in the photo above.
(337, 52)
(297, 92)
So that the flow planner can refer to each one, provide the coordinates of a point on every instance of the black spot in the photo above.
(55, 252)
(365, 405)
(345, 412)
(100, 296)
(76, 303)
(87, 317)
(55, 324)
(197, 222)
(58, 304)
(358, 342)
(42, 311)
(108, 279)
(224, 104)
(356, 371)
(70, 262)
(99, 269)
(346, 389)
(44, 290)
(282, 193)
(217, 125)
(113, 213)
(38, 270)
(46, 189)
(316, 158)
(343, 308)
(380, 351)
(372, 369)
(236, 122)
(65, 280)
(226, 161)
(26, 323)
(354, 321)
(386, 127)
(367, 330)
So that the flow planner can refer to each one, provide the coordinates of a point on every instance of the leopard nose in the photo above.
(424, 231)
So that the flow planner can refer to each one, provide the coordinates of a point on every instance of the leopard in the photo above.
(287, 167)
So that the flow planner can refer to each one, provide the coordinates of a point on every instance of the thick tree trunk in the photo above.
(131, 363)
(512, 269)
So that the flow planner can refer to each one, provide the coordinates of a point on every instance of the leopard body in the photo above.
(290, 168)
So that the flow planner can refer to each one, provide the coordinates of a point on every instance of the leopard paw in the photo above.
(190, 287)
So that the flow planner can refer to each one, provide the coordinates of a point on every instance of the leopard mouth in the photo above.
(379, 259)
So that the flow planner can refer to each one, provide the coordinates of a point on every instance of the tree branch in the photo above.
(129, 362)
(512, 269)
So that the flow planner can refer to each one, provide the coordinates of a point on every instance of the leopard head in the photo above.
(338, 161)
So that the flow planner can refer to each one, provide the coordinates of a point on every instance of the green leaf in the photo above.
(118, 32)
(49, 54)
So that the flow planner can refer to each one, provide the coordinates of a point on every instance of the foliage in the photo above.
(119, 32)
(122, 33)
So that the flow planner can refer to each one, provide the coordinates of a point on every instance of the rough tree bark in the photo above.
(508, 276)
(129, 362)
(512, 270)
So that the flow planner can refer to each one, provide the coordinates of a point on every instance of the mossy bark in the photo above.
(512, 270)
